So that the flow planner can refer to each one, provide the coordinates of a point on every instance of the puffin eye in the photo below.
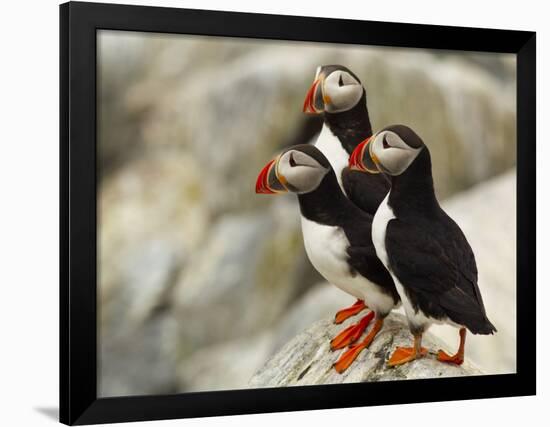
(291, 161)
(340, 81)
(385, 143)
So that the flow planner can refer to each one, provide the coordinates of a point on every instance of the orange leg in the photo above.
(402, 355)
(346, 313)
(458, 358)
(351, 354)
(351, 333)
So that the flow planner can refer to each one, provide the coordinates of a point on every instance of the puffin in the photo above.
(338, 95)
(341, 249)
(431, 262)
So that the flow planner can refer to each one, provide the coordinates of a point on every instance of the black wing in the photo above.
(437, 269)
(363, 260)
(365, 190)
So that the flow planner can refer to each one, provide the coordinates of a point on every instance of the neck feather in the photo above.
(327, 204)
(352, 126)
(413, 190)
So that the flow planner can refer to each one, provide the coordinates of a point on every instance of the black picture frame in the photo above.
(79, 402)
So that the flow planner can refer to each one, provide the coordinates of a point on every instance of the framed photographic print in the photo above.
(268, 213)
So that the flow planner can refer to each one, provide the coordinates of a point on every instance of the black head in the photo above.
(392, 151)
(299, 169)
(335, 89)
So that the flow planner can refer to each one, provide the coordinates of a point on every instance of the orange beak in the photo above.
(309, 102)
(357, 158)
(262, 183)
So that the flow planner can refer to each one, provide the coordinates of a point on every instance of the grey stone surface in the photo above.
(231, 290)
(227, 365)
(307, 358)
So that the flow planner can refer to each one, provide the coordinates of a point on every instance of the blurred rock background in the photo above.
(201, 280)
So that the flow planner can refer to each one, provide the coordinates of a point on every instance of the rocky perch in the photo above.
(307, 358)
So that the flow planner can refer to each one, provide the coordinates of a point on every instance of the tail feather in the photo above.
(484, 328)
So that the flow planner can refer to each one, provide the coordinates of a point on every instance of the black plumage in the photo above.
(366, 191)
(352, 127)
(428, 252)
(327, 205)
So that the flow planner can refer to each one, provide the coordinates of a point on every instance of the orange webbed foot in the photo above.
(403, 355)
(351, 333)
(351, 354)
(346, 313)
(348, 357)
(458, 358)
(455, 359)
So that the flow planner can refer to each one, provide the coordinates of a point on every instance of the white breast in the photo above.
(326, 248)
(326, 245)
(383, 216)
(331, 147)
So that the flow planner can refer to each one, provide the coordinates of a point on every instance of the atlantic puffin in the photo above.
(425, 251)
(341, 249)
(338, 95)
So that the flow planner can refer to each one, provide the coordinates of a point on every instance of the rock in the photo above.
(230, 289)
(307, 358)
(251, 106)
(321, 301)
(118, 134)
(231, 363)
(128, 353)
(225, 366)
(141, 227)
(144, 239)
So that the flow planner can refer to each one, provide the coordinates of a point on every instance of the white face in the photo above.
(317, 71)
(341, 91)
(392, 153)
(302, 172)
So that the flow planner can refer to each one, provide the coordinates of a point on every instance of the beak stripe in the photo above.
(356, 159)
(280, 176)
(309, 106)
(262, 186)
